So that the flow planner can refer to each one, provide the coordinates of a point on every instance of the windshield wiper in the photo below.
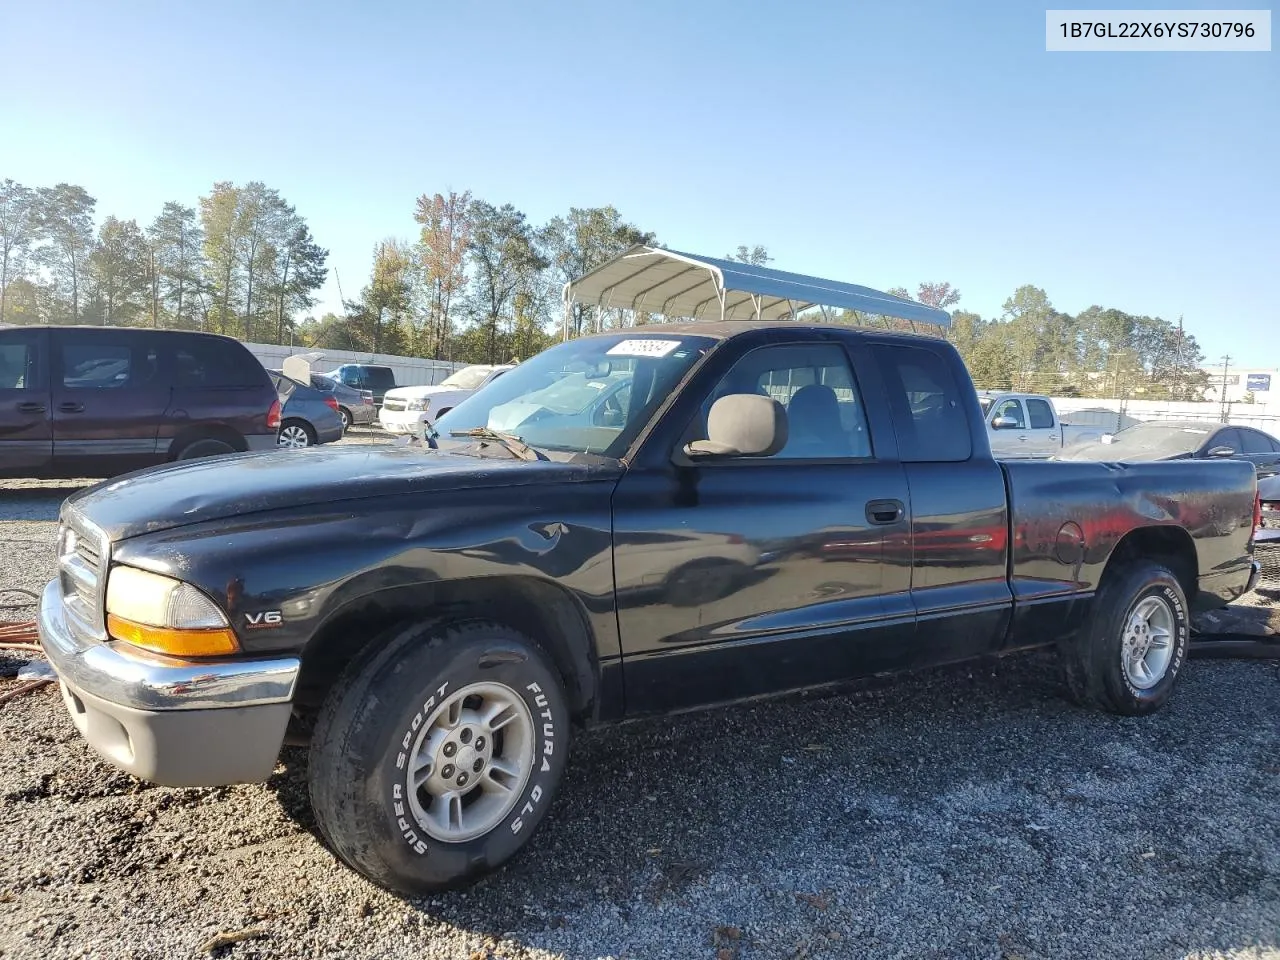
(512, 443)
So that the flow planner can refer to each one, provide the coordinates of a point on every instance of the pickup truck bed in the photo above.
(775, 506)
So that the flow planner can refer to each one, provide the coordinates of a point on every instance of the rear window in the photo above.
(210, 362)
(928, 413)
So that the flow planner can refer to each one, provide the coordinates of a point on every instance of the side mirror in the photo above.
(1223, 451)
(742, 425)
(1004, 423)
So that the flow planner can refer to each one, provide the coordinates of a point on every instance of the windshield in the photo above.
(468, 378)
(1148, 441)
(585, 396)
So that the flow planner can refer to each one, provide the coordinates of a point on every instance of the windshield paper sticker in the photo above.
(643, 348)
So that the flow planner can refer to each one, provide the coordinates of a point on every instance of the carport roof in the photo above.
(656, 280)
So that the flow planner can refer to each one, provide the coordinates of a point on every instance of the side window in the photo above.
(207, 362)
(93, 363)
(1226, 438)
(928, 412)
(815, 384)
(1253, 442)
(1011, 409)
(1040, 414)
(20, 366)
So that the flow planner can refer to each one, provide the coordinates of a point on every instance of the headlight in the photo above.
(417, 406)
(165, 615)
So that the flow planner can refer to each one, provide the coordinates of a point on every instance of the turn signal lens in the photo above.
(176, 643)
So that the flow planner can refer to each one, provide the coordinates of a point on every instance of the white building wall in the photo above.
(409, 371)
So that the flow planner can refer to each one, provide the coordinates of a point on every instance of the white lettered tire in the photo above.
(436, 755)
(1127, 659)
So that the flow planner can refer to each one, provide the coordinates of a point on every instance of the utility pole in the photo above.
(1222, 412)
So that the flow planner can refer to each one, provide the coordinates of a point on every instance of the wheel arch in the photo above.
(1169, 545)
(547, 612)
(206, 431)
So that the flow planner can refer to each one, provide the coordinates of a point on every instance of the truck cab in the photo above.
(1026, 426)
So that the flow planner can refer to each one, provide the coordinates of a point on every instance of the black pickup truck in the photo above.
(639, 522)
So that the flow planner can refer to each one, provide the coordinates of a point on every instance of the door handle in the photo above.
(883, 512)
(31, 407)
(70, 407)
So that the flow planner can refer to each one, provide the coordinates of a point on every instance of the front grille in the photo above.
(82, 556)
(393, 405)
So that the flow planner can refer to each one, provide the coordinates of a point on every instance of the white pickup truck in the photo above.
(1026, 426)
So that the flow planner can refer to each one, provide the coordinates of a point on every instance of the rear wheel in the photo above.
(296, 433)
(207, 447)
(345, 415)
(1127, 659)
(436, 756)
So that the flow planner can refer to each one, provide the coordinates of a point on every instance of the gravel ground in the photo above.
(961, 813)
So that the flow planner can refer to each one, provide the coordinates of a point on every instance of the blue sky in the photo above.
(882, 144)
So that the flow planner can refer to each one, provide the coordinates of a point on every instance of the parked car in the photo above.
(433, 617)
(1183, 440)
(80, 401)
(365, 376)
(354, 406)
(1027, 426)
(408, 409)
(308, 416)
(1267, 538)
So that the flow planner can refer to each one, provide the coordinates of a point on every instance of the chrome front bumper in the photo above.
(174, 722)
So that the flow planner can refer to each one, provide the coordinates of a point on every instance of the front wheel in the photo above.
(435, 757)
(1127, 659)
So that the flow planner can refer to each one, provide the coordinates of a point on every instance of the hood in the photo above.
(416, 393)
(196, 491)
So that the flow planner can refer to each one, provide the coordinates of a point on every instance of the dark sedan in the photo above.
(1183, 440)
(354, 406)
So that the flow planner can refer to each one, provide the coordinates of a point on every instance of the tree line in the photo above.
(479, 282)
(241, 262)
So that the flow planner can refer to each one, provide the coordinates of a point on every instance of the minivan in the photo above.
(79, 401)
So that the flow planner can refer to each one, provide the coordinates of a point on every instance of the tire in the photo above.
(1100, 663)
(296, 433)
(377, 724)
(207, 447)
(345, 415)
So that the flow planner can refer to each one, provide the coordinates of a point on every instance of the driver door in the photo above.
(739, 577)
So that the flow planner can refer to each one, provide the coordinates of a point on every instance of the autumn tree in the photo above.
(442, 254)
(756, 256)
(382, 312)
(583, 240)
(19, 229)
(175, 242)
(65, 217)
(296, 271)
(119, 272)
(504, 253)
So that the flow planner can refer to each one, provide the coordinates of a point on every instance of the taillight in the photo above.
(331, 403)
(273, 415)
(1257, 512)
